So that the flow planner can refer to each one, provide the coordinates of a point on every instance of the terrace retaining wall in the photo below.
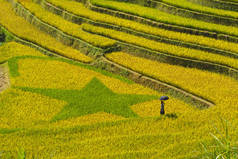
(152, 83)
(218, 4)
(66, 39)
(78, 20)
(134, 76)
(194, 31)
(189, 13)
(176, 60)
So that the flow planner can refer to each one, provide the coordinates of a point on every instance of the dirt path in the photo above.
(4, 78)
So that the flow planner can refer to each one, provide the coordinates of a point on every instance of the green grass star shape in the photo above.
(94, 97)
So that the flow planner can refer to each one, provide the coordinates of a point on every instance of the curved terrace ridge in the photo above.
(156, 84)
(178, 60)
(36, 46)
(221, 4)
(65, 38)
(195, 14)
(78, 20)
(173, 27)
(211, 66)
(134, 76)
(191, 97)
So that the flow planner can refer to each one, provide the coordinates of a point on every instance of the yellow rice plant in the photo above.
(68, 144)
(117, 137)
(163, 47)
(160, 16)
(23, 109)
(66, 26)
(23, 29)
(41, 137)
(218, 88)
(13, 49)
(81, 10)
(193, 6)
(39, 73)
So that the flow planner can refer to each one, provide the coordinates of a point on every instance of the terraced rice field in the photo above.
(83, 79)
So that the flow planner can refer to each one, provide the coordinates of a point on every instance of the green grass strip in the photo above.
(94, 97)
(8, 131)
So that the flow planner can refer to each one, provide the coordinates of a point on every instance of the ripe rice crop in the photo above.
(160, 16)
(12, 49)
(193, 6)
(231, 0)
(166, 48)
(58, 108)
(66, 26)
(43, 73)
(80, 10)
(196, 82)
(22, 29)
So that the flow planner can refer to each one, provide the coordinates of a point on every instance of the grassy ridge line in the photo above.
(25, 33)
(217, 4)
(75, 10)
(156, 84)
(163, 48)
(151, 16)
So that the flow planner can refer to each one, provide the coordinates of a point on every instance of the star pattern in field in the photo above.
(92, 98)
